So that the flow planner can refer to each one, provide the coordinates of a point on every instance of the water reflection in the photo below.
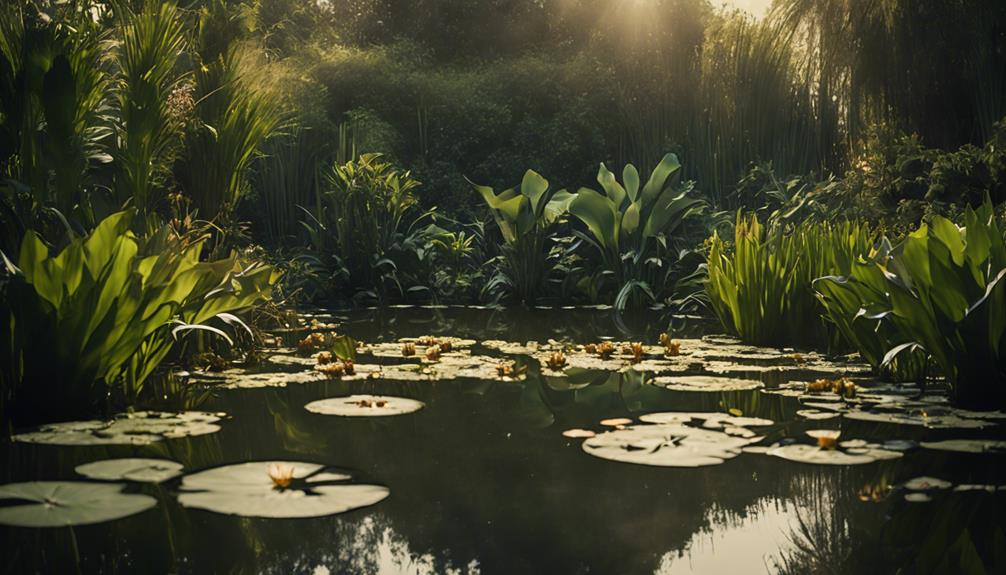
(482, 481)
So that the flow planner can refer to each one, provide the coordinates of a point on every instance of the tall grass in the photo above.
(236, 112)
(761, 286)
(147, 57)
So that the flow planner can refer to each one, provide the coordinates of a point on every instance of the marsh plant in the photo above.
(941, 293)
(366, 215)
(760, 286)
(96, 318)
(632, 226)
(525, 215)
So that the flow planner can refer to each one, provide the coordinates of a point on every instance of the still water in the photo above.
(482, 480)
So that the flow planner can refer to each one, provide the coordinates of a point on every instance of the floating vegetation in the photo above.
(408, 349)
(616, 422)
(917, 497)
(433, 353)
(842, 386)
(364, 406)
(577, 433)
(666, 445)
(826, 438)
(803, 453)
(139, 428)
(509, 369)
(927, 484)
(709, 419)
(276, 489)
(605, 349)
(556, 361)
(68, 503)
(817, 414)
(311, 343)
(967, 445)
(131, 469)
(706, 383)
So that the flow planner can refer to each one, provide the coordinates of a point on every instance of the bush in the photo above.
(941, 293)
(104, 312)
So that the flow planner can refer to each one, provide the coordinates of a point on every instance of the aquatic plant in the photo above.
(68, 503)
(941, 292)
(525, 215)
(108, 308)
(761, 287)
(362, 226)
(632, 226)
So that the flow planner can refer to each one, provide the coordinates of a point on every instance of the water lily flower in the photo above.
(408, 349)
(323, 357)
(637, 352)
(281, 474)
(605, 349)
(556, 361)
(826, 438)
(433, 353)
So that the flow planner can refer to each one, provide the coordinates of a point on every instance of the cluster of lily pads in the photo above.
(273, 489)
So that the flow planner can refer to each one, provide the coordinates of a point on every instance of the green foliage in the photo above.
(760, 287)
(105, 311)
(53, 106)
(940, 292)
(152, 41)
(234, 115)
(363, 220)
(525, 216)
(627, 224)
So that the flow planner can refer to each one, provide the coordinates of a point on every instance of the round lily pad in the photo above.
(813, 454)
(139, 428)
(364, 406)
(131, 469)
(578, 433)
(250, 490)
(816, 414)
(967, 445)
(917, 497)
(64, 503)
(719, 419)
(706, 383)
(666, 445)
(926, 483)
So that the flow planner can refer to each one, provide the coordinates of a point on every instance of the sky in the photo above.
(756, 7)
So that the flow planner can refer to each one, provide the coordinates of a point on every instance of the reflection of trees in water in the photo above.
(829, 535)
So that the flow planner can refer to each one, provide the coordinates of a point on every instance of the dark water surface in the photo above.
(482, 481)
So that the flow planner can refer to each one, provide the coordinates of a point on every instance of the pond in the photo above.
(572, 466)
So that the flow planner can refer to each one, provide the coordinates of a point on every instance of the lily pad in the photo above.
(917, 497)
(131, 469)
(666, 445)
(249, 490)
(364, 406)
(706, 383)
(816, 414)
(139, 428)
(64, 503)
(577, 433)
(967, 445)
(812, 454)
(926, 484)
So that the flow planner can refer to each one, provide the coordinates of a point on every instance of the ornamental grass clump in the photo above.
(760, 287)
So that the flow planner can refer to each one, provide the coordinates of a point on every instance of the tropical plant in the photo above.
(235, 113)
(855, 305)
(941, 292)
(630, 226)
(525, 216)
(147, 132)
(362, 216)
(53, 108)
(760, 288)
(105, 311)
